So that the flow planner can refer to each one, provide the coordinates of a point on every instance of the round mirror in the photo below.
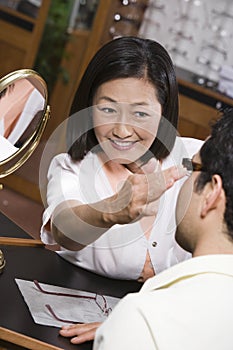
(24, 113)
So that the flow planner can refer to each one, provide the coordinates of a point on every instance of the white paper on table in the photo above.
(67, 308)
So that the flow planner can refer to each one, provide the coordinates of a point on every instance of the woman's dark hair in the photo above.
(217, 158)
(126, 57)
(8, 89)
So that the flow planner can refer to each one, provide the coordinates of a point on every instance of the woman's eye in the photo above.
(141, 114)
(107, 110)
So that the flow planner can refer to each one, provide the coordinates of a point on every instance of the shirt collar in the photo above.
(219, 263)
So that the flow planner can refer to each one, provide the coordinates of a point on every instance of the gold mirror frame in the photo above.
(16, 160)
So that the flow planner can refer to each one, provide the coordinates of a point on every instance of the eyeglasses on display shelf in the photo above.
(134, 3)
(128, 19)
(179, 34)
(222, 14)
(157, 7)
(220, 31)
(215, 48)
(82, 14)
(197, 33)
(208, 63)
(185, 17)
(179, 52)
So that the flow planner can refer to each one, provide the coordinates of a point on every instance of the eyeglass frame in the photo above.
(105, 310)
(191, 166)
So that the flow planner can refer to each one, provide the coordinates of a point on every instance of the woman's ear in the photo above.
(212, 194)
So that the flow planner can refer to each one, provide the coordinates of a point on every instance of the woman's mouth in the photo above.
(122, 145)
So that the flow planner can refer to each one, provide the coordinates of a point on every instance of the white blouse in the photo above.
(6, 148)
(121, 251)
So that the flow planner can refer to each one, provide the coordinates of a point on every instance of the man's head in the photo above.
(204, 211)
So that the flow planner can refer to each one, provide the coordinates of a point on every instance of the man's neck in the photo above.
(221, 246)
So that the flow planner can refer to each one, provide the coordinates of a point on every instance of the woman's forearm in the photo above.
(76, 225)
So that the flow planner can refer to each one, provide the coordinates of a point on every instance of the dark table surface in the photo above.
(9, 229)
(46, 266)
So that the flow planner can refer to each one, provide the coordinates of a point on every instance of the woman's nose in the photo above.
(122, 130)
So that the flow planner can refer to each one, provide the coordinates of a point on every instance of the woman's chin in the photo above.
(126, 158)
(122, 161)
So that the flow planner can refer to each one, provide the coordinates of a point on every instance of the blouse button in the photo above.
(154, 244)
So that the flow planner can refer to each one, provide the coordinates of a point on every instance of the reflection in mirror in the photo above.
(22, 105)
(23, 116)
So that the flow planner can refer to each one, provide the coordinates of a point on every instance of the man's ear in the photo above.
(212, 194)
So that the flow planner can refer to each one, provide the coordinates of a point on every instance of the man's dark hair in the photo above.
(217, 158)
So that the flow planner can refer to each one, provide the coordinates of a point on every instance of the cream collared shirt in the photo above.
(187, 307)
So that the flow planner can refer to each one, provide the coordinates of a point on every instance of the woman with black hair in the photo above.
(103, 194)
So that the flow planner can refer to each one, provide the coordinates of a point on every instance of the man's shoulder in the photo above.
(217, 270)
(218, 264)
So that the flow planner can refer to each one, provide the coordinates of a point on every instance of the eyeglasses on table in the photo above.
(99, 299)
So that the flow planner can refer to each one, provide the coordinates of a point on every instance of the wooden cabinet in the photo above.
(195, 118)
(20, 34)
(199, 108)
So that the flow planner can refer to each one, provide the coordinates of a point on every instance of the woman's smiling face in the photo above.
(126, 116)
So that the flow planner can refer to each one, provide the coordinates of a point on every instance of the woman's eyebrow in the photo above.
(109, 99)
(140, 104)
(106, 98)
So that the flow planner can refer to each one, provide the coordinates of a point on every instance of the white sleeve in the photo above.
(63, 184)
(126, 328)
(6, 148)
